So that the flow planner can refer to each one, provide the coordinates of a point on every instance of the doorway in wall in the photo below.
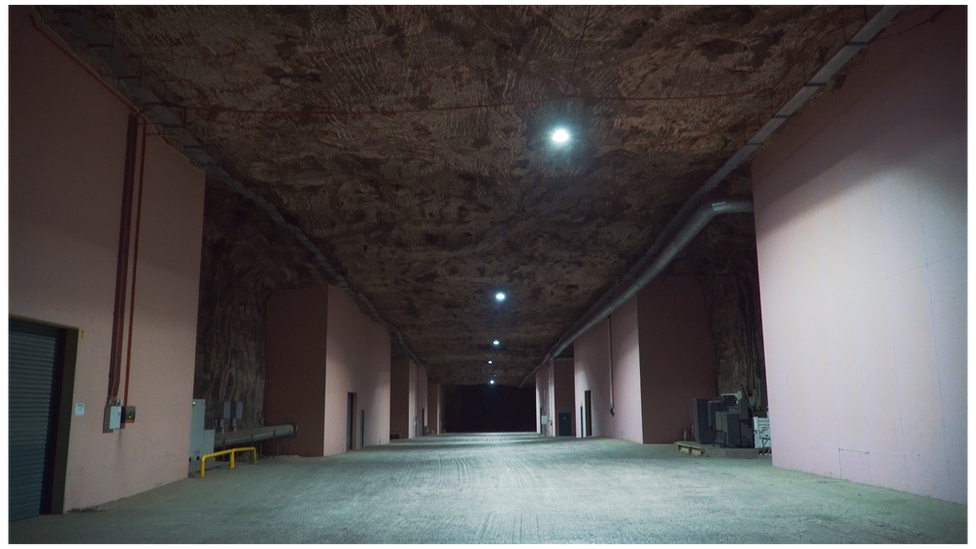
(362, 428)
(41, 364)
(351, 422)
(565, 424)
(582, 430)
(589, 413)
(423, 421)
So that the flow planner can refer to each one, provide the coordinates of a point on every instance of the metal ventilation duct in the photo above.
(860, 40)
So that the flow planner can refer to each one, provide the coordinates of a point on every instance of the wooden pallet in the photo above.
(691, 449)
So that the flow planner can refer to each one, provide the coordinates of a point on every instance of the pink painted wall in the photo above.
(434, 407)
(592, 373)
(677, 360)
(164, 329)
(861, 235)
(563, 388)
(295, 354)
(626, 421)
(319, 348)
(400, 416)
(551, 399)
(412, 400)
(67, 145)
(591, 362)
(421, 399)
(357, 361)
(542, 390)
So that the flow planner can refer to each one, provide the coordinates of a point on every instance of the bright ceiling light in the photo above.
(489, 362)
(500, 296)
(560, 136)
(496, 343)
(492, 381)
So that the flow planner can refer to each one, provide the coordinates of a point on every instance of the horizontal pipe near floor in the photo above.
(222, 440)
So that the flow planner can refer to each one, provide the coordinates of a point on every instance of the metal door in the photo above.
(565, 424)
(35, 362)
(589, 414)
(351, 421)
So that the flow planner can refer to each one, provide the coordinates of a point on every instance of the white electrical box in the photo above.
(760, 429)
(114, 417)
(201, 440)
(544, 420)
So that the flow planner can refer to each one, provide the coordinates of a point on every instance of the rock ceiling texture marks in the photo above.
(411, 143)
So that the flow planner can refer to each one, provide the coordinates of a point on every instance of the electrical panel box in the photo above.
(701, 425)
(733, 430)
(129, 414)
(225, 410)
(114, 417)
(760, 426)
(728, 429)
(201, 440)
(228, 414)
(197, 417)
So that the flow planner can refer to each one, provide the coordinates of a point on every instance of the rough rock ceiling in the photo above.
(412, 144)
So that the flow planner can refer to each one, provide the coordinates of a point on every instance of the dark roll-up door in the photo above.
(34, 378)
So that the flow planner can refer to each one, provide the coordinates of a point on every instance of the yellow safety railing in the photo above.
(203, 459)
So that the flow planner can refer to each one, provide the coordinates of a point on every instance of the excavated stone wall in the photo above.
(723, 259)
(732, 303)
(246, 258)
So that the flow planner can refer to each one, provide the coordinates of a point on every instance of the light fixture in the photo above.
(489, 362)
(560, 136)
(491, 381)
(500, 296)
(496, 343)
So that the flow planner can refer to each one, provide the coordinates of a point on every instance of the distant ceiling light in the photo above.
(496, 343)
(489, 362)
(500, 296)
(560, 136)
(492, 381)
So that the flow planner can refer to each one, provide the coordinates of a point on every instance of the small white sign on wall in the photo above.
(79, 408)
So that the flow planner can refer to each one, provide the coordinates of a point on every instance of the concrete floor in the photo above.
(513, 488)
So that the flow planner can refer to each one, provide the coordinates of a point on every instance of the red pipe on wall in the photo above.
(122, 269)
(135, 263)
(135, 117)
